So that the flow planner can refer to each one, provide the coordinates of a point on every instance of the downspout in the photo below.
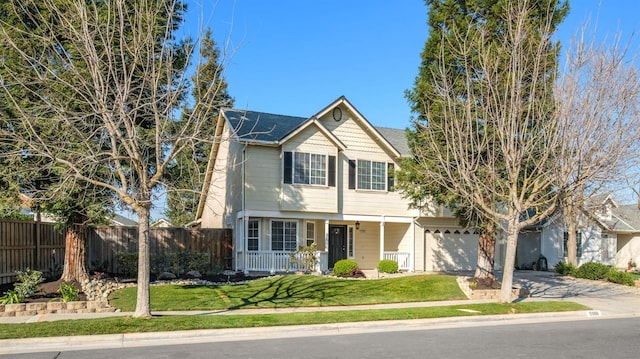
(245, 222)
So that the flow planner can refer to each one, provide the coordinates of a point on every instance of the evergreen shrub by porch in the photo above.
(624, 278)
(593, 271)
(388, 266)
(344, 267)
(563, 268)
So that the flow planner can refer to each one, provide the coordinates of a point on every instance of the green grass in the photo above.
(295, 291)
(116, 325)
(635, 275)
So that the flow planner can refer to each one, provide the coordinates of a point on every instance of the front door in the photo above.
(337, 244)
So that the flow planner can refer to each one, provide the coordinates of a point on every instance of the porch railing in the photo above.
(403, 259)
(278, 261)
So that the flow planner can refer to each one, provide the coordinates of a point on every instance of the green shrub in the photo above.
(127, 264)
(177, 263)
(388, 266)
(159, 263)
(69, 292)
(593, 271)
(184, 261)
(624, 278)
(10, 297)
(563, 268)
(28, 282)
(25, 287)
(344, 266)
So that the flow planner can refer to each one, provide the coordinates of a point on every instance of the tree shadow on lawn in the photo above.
(283, 292)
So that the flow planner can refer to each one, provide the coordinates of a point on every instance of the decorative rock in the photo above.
(166, 276)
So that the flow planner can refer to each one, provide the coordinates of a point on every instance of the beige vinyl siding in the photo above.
(262, 178)
(397, 237)
(367, 245)
(360, 144)
(309, 198)
(223, 197)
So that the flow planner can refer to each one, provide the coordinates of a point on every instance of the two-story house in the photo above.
(281, 182)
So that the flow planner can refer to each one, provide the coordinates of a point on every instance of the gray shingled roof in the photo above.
(268, 127)
(260, 126)
(397, 138)
(625, 218)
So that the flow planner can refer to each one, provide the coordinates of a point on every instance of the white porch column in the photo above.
(382, 239)
(412, 256)
(245, 231)
(326, 235)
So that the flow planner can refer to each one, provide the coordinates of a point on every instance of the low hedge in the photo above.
(344, 267)
(388, 266)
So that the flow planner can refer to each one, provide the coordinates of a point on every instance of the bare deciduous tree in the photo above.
(107, 85)
(597, 99)
(509, 151)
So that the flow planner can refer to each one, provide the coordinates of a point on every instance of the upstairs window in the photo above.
(309, 168)
(372, 175)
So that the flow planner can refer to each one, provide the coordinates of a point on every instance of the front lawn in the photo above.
(116, 325)
(295, 291)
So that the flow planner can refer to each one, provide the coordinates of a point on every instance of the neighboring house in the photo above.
(281, 182)
(117, 220)
(607, 233)
(161, 223)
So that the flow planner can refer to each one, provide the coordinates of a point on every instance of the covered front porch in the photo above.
(266, 241)
(280, 261)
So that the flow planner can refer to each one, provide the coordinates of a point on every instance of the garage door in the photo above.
(451, 249)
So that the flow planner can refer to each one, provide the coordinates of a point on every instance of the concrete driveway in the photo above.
(609, 298)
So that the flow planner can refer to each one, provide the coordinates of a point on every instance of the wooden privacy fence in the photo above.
(28, 244)
(104, 243)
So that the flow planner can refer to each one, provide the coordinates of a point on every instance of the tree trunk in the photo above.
(75, 268)
(486, 253)
(143, 302)
(509, 260)
(572, 245)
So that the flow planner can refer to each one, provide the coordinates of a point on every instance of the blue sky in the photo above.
(294, 57)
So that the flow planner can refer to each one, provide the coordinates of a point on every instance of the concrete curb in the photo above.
(112, 341)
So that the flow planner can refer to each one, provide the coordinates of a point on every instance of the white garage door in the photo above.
(451, 249)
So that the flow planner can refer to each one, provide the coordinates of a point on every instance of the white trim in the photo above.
(351, 242)
(382, 240)
(306, 229)
(322, 129)
(325, 216)
(372, 132)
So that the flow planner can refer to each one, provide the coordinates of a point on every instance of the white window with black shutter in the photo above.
(371, 175)
(309, 168)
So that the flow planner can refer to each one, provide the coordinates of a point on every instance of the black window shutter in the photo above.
(331, 182)
(288, 167)
(390, 177)
(352, 174)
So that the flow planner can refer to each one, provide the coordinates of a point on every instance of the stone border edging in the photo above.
(53, 307)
